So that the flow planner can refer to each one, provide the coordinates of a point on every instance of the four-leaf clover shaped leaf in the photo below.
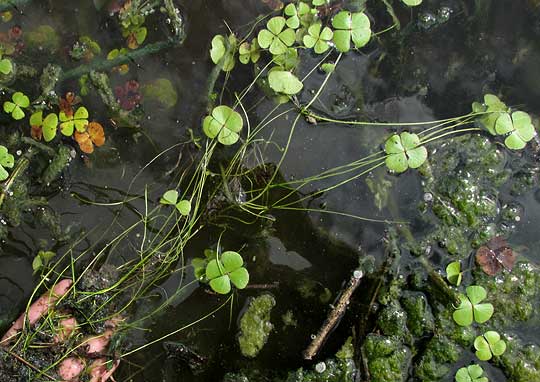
(222, 52)
(296, 14)
(489, 345)
(453, 273)
(472, 373)
(404, 151)
(20, 101)
(48, 125)
(249, 52)
(229, 268)
(224, 123)
(317, 38)
(6, 66)
(275, 36)
(78, 121)
(489, 112)
(94, 135)
(351, 26)
(518, 128)
(6, 161)
(171, 198)
(471, 308)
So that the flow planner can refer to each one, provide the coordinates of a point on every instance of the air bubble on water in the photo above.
(18, 152)
(428, 197)
(320, 367)
(358, 274)
(313, 336)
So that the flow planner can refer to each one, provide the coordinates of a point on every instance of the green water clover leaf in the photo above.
(275, 36)
(229, 268)
(296, 13)
(470, 308)
(489, 112)
(77, 121)
(249, 52)
(318, 37)
(282, 81)
(453, 273)
(319, 3)
(6, 66)
(404, 151)
(472, 373)
(6, 161)
(488, 345)
(223, 123)
(412, 3)
(222, 52)
(351, 26)
(518, 128)
(48, 125)
(170, 197)
(20, 101)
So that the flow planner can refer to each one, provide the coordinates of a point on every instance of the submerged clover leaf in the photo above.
(472, 373)
(412, 3)
(351, 26)
(276, 36)
(229, 268)
(518, 128)
(453, 273)
(170, 197)
(223, 123)
(249, 52)
(282, 81)
(6, 161)
(222, 52)
(20, 101)
(488, 345)
(6, 66)
(78, 121)
(404, 151)
(287, 60)
(296, 13)
(470, 308)
(489, 112)
(317, 38)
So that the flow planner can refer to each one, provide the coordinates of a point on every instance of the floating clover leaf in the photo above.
(229, 268)
(453, 273)
(296, 14)
(287, 60)
(224, 123)
(222, 52)
(471, 373)
(170, 197)
(489, 345)
(6, 66)
(20, 101)
(412, 3)
(317, 38)
(6, 161)
(249, 52)
(275, 36)
(492, 108)
(495, 255)
(78, 121)
(404, 151)
(46, 127)
(284, 82)
(351, 26)
(518, 128)
(319, 3)
(94, 135)
(42, 260)
(470, 308)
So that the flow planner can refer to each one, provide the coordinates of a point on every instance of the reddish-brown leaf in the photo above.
(495, 255)
(36, 132)
(96, 133)
(83, 139)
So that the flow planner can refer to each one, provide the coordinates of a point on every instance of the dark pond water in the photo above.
(448, 59)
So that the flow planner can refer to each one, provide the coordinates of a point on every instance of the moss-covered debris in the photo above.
(255, 325)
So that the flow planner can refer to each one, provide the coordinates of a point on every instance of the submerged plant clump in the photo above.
(255, 325)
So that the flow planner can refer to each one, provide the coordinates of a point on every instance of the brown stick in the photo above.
(333, 317)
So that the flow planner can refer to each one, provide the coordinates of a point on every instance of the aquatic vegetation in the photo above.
(222, 52)
(6, 66)
(45, 128)
(223, 123)
(488, 345)
(412, 3)
(453, 273)
(226, 269)
(161, 90)
(71, 122)
(387, 358)
(472, 373)
(255, 325)
(471, 310)
(15, 108)
(404, 151)
(495, 256)
(171, 197)
(517, 128)
(129, 96)
(351, 26)
(93, 136)
(6, 161)
(282, 81)
(42, 260)
(277, 37)
(297, 14)
(249, 52)
(318, 38)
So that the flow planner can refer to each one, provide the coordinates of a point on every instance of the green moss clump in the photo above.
(521, 363)
(255, 325)
(420, 319)
(161, 90)
(43, 37)
(331, 370)
(387, 358)
(58, 163)
(393, 321)
(437, 359)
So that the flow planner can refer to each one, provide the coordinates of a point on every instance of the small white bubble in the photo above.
(320, 367)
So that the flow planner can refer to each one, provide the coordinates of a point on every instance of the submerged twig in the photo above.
(21, 167)
(334, 316)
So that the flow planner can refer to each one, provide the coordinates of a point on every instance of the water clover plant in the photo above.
(282, 81)
(6, 161)
(249, 52)
(276, 37)
(489, 112)
(78, 121)
(472, 373)
(287, 60)
(170, 197)
(94, 135)
(48, 125)
(453, 273)
(227, 269)
(518, 129)
(404, 151)
(6, 66)
(471, 308)
(488, 345)
(412, 3)
(296, 14)
(223, 123)
(222, 52)
(318, 38)
(351, 26)
(15, 108)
